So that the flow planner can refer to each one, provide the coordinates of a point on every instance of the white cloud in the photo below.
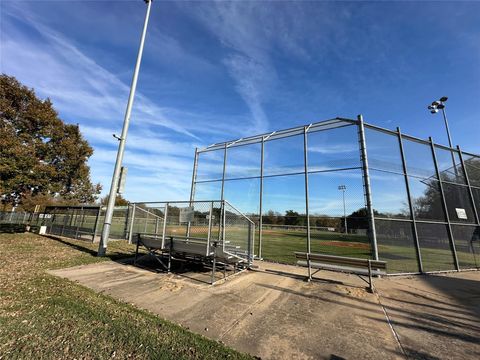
(334, 148)
(249, 64)
(79, 85)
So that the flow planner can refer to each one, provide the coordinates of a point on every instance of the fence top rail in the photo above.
(176, 202)
(417, 139)
(72, 207)
(325, 124)
(240, 213)
(316, 126)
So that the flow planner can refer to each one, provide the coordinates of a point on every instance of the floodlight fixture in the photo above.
(440, 105)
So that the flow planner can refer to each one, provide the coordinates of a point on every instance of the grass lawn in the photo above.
(42, 316)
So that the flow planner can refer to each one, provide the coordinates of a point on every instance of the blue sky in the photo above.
(215, 71)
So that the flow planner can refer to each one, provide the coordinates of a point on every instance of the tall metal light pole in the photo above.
(102, 248)
(343, 188)
(440, 105)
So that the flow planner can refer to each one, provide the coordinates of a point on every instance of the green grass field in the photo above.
(279, 245)
(42, 316)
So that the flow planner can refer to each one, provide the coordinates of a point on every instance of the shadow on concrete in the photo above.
(303, 277)
(422, 317)
(435, 309)
(335, 357)
(192, 271)
(116, 256)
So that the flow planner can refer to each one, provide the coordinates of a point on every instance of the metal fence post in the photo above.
(209, 231)
(367, 188)
(156, 226)
(224, 223)
(472, 198)
(223, 173)
(65, 220)
(77, 222)
(410, 203)
(194, 175)
(146, 223)
(95, 228)
(127, 222)
(132, 221)
(192, 189)
(444, 203)
(52, 220)
(164, 231)
(305, 161)
(250, 241)
(82, 224)
(220, 220)
(260, 219)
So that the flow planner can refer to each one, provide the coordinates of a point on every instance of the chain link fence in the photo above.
(340, 187)
(217, 223)
(344, 187)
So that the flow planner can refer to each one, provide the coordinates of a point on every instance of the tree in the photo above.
(40, 155)
(271, 217)
(292, 218)
(119, 200)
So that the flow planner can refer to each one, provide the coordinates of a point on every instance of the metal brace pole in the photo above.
(260, 220)
(444, 203)
(367, 188)
(305, 158)
(410, 202)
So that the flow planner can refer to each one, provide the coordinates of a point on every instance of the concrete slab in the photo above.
(270, 312)
(435, 316)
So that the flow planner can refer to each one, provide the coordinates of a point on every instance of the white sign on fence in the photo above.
(461, 213)
(186, 214)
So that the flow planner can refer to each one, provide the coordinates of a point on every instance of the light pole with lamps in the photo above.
(343, 188)
(440, 105)
(102, 247)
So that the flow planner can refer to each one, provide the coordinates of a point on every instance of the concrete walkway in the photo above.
(274, 315)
